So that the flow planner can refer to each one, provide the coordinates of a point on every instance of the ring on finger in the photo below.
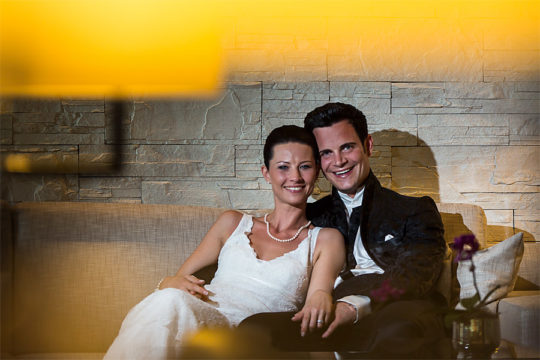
(320, 321)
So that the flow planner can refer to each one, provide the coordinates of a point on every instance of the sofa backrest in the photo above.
(79, 267)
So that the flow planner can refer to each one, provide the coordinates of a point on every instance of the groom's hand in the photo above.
(345, 314)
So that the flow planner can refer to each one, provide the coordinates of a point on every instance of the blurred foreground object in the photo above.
(109, 48)
(221, 343)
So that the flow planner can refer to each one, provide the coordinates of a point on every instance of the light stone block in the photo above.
(250, 154)
(44, 159)
(464, 135)
(53, 139)
(366, 105)
(517, 165)
(500, 217)
(234, 115)
(418, 95)
(524, 129)
(465, 106)
(528, 86)
(34, 187)
(472, 90)
(86, 194)
(85, 101)
(528, 222)
(518, 201)
(251, 199)
(115, 188)
(59, 123)
(524, 90)
(413, 157)
(356, 89)
(91, 107)
(305, 97)
(195, 193)
(36, 106)
(275, 120)
(291, 106)
(241, 184)
(496, 169)
(248, 174)
(35, 117)
(395, 137)
(416, 181)
(165, 160)
(6, 129)
(464, 129)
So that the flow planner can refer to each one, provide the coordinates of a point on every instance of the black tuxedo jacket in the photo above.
(412, 259)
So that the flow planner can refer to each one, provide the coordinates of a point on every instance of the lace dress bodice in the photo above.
(244, 285)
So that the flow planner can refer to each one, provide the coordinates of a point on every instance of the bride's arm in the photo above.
(328, 260)
(205, 254)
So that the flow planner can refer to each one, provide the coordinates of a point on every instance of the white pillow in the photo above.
(496, 265)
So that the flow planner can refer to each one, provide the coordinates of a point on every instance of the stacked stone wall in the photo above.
(459, 142)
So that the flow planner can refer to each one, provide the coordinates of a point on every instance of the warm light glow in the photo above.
(112, 48)
(17, 163)
(123, 48)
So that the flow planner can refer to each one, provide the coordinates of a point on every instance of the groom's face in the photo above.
(344, 158)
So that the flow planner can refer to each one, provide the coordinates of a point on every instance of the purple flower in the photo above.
(465, 245)
(386, 292)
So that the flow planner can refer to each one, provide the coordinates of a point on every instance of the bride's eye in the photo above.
(283, 167)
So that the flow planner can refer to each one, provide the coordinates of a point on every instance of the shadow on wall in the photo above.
(406, 164)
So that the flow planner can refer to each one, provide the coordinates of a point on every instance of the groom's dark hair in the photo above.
(289, 134)
(331, 113)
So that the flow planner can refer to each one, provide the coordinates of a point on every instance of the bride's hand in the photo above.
(316, 313)
(188, 283)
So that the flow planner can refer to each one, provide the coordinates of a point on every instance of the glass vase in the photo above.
(476, 337)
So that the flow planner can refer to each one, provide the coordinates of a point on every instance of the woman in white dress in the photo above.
(273, 263)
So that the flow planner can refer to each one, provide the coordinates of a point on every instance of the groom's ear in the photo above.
(265, 174)
(368, 145)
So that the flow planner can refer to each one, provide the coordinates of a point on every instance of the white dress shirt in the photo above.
(364, 263)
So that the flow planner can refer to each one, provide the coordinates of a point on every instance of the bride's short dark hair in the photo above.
(289, 134)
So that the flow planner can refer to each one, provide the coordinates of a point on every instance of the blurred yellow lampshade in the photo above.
(109, 48)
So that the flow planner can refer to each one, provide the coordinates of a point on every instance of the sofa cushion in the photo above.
(80, 267)
(520, 318)
(496, 265)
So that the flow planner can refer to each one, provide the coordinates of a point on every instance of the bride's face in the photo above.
(292, 171)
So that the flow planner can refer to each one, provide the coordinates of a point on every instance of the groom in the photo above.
(385, 298)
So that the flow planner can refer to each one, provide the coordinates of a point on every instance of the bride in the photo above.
(274, 263)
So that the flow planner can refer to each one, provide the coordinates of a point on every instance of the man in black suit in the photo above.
(385, 298)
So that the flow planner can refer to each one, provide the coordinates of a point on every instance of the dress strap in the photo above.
(245, 225)
(314, 233)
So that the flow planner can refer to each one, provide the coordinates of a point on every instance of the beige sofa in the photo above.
(71, 271)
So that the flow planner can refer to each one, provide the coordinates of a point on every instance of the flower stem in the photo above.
(474, 278)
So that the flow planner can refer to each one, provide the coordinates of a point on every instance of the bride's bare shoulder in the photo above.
(229, 220)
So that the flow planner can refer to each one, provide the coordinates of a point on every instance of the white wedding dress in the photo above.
(242, 286)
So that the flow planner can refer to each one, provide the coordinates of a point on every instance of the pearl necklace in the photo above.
(285, 240)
